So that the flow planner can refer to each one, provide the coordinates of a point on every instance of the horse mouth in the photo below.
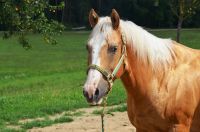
(95, 102)
(97, 94)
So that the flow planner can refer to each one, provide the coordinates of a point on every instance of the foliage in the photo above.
(184, 8)
(76, 12)
(72, 13)
(25, 16)
(148, 13)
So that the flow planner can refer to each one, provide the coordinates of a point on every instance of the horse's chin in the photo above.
(96, 103)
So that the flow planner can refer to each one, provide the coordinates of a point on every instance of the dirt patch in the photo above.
(118, 122)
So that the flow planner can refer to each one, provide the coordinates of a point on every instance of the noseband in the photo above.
(108, 74)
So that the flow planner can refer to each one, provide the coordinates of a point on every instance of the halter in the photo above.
(108, 74)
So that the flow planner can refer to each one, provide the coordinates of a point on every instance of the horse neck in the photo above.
(138, 76)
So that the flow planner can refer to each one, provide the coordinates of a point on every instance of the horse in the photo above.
(161, 76)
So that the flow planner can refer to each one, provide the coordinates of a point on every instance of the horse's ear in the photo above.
(93, 18)
(115, 19)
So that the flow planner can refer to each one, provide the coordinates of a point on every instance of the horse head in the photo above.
(106, 52)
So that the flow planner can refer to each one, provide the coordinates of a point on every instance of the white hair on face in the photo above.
(98, 37)
(96, 41)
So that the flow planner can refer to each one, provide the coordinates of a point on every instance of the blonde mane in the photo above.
(148, 48)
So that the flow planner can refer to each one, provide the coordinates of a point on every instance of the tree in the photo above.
(22, 16)
(183, 9)
(75, 12)
(66, 15)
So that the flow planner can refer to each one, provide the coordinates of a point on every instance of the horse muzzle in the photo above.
(94, 93)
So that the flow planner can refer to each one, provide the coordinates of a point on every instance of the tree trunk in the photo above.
(64, 13)
(180, 21)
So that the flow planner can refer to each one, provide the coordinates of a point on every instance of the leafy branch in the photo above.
(24, 16)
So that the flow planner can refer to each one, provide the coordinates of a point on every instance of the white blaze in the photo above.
(96, 43)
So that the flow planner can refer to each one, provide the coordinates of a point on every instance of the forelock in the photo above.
(104, 27)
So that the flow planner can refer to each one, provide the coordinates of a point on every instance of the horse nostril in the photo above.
(85, 93)
(97, 92)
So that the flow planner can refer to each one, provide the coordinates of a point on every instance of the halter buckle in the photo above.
(110, 78)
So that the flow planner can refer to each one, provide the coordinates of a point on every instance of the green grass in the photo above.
(48, 79)
(97, 112)
(76, 113)
(36, 123)
(47, 122)
(11, 130)
(63, 119)
(121, 108)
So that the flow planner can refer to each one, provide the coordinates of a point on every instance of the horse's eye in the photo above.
(112, 49)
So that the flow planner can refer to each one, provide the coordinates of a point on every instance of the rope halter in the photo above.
(110, 75)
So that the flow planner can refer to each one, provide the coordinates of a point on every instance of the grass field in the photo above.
(48, 79)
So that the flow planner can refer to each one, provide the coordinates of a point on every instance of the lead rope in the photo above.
(104, 107)
(103, 113)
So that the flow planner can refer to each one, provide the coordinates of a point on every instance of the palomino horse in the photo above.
(161, 76)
